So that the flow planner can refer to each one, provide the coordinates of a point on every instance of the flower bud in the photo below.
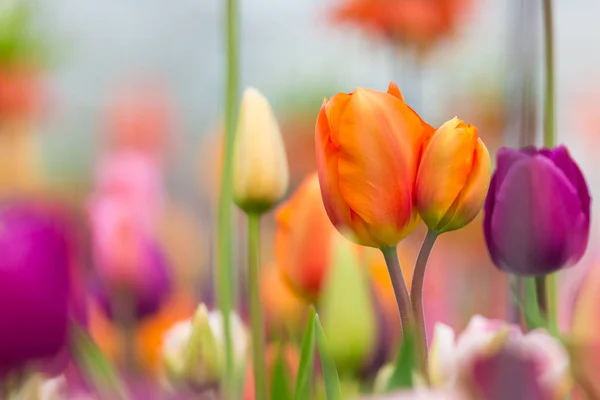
(348, 310)
(453, 177)
(260, 170)
(194, 349)
(537, 214)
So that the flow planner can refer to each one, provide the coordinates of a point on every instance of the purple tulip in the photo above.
(35, 285)
(537, 213)
(148, 291)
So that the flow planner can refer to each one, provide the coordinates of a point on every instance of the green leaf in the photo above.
(95, 367)
(330, 375)
(406, 362)
(303, 387)
(280, 380)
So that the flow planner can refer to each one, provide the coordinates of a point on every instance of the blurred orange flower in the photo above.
(368, 145)
(291, 358)
(418, 23)
(148, 334)
(303, 239)
(283, 309)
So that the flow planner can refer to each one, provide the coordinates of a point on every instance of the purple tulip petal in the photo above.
(508, 375)
(536, 212)
(507, 157)
(34, 285)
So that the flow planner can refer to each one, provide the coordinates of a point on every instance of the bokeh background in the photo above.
(169, 55)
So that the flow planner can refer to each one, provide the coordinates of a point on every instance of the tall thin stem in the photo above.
(541, 290)
(549, 95)
(402, 299)
(258, 336)
(225, 272)
(549, 128)
(416, 297)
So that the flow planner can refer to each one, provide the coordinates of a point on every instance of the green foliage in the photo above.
(330, 375)
(406, 362)
(95, 367)
(280, 380)
(19, 44)
(303, 386)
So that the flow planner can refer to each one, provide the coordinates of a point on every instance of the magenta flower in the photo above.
(34, 285)
(537, 213)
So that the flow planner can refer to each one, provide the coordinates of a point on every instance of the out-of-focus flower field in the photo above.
(355, 199)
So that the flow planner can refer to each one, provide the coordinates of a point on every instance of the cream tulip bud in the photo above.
(260, 169)
(193, 350)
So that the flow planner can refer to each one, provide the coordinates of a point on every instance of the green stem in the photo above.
(402, 299)
(549, 128)
(549, 107)
(225, 273)
(416, 297)
(541, 291)
(515, 295)
(123, 309)
(258, 347)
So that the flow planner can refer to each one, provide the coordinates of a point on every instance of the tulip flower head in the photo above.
(453, 177)
(368, 145)
(537, 213)
(304, 240)
(260, 167)
(34, 285)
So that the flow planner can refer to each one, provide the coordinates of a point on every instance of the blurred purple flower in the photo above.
(481, 349)
(34, 284)
(508, 374)
(537, 213)
(147, 283)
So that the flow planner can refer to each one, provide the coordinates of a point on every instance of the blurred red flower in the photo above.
(419, 23)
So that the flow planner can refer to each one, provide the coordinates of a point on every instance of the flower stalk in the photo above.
(548, 297)
(416, 297)
(258, 345)
(402, 298)
(225, 273)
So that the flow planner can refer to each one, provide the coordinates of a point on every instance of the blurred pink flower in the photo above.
(124, 212)
(135, 182)
(453, 360)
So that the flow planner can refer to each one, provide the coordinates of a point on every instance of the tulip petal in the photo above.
(445, 166)
(377, 163)
(468, 203)
(327, 154)
(395, 91)
(563, 160)
(536, 210)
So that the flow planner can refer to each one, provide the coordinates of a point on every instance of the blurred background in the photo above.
(149, 75)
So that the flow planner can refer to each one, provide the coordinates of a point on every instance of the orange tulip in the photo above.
(283, 309)
(303, 239)
(368, 145)
(453, 178)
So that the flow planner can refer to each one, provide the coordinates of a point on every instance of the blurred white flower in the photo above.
(193, 350)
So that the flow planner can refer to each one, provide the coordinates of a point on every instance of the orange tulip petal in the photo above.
(395, 91)
(376, 163)
(445, 166)
(470, 200)
(327, 153)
